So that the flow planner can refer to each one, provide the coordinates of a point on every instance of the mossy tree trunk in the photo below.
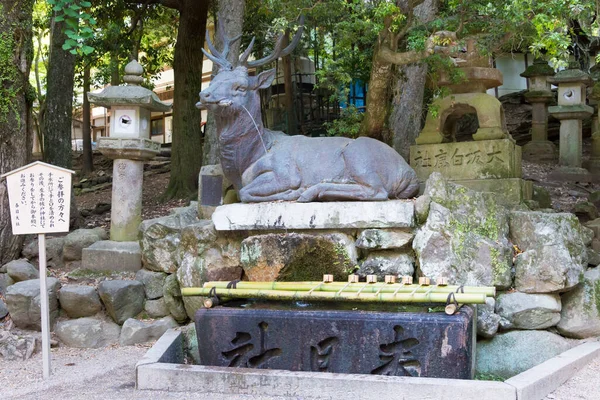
(88, 165)
(16, 96)
(231, 15)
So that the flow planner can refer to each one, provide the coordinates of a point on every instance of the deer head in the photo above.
(232, 89)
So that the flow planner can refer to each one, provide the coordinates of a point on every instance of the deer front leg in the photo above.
(267, 187)
(341, 191)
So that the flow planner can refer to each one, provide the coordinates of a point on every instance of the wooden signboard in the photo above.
(40, 197)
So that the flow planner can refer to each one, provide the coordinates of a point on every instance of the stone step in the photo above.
(108, 255)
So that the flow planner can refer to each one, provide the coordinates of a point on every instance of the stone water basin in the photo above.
(417, 341)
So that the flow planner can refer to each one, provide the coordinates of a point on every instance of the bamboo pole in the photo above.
(466, 298)
(351, 287)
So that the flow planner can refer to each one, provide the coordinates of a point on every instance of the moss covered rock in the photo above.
(553, 249)
(388, 262)
(295, 257)
(465, 236)
(580, 315)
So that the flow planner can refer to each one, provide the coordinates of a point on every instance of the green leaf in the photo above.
(59, 18)
(87, 50)
(85, 4)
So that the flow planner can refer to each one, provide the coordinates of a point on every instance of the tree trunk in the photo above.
(406, 117)
(290, 110)
(59, 100)
(115, 76)
(186, 150)
(16, 52)
(373, 123)
(231, 15)
(88, 164)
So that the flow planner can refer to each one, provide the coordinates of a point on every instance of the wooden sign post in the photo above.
(40, 197)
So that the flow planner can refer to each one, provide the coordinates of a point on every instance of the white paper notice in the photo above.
(40, 197)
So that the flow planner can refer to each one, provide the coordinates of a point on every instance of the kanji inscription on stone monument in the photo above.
(39, 196)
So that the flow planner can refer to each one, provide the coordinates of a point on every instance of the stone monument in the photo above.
(571, 110)
(129, 146)
(264, 165)
(492, 161)
(539, 95)
(593, 165)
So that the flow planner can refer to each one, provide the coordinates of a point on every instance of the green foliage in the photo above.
(78, 24)
(347, 125)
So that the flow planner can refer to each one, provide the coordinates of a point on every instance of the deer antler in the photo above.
(217, 57)
(277, 51)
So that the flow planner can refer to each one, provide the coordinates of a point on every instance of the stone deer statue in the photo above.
(265, 165)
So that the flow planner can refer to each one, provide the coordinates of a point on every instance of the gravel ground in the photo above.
(582, 386)
(103, 374)
(108, 374)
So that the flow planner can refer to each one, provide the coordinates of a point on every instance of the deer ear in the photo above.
(264, 79)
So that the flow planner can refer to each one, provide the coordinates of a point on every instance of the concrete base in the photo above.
(512, 191)
(540, 150)
(327, 215)
(107, 255)
(162, 368)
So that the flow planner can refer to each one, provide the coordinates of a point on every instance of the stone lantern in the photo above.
(571, 110)
(129, 145)
(593, 165)
(539, 95)
(491, 161)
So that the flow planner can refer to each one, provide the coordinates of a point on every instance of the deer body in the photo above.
(265, 165)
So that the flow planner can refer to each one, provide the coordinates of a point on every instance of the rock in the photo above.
(173, 299)
(588, 235)
(595, 245)
(153, 283)
(529, 311)
(21, 270)
(542, 196)
(23, 302)
(293, 257)
(316, 215)
(487, 320)
(422, 208)
(79, 239)
(5, 282)
(135, 331)
(110, 255)
(16, 347)
(586, 211)
(554, 253)
(594, 198)
(156, 308)
(160, 239)
(580, 315)
(79, 301)
(465, 237)
(595, 226)
(387, 262)
(381, 239)
(3, 269)
(3, 309)
(54, 248)
(87, 332)
(122, 299)
(511, 353)
(204, 257)
(593, 257)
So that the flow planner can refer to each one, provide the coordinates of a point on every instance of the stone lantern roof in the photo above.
(130, 94)
(538, 68)
(571, 75)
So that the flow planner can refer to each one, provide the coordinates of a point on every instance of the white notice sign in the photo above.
(40, 197)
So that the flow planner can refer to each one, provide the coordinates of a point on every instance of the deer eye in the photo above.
(240, 89)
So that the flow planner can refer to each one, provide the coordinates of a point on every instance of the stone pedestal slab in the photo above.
(329, 215)
(108, 255)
